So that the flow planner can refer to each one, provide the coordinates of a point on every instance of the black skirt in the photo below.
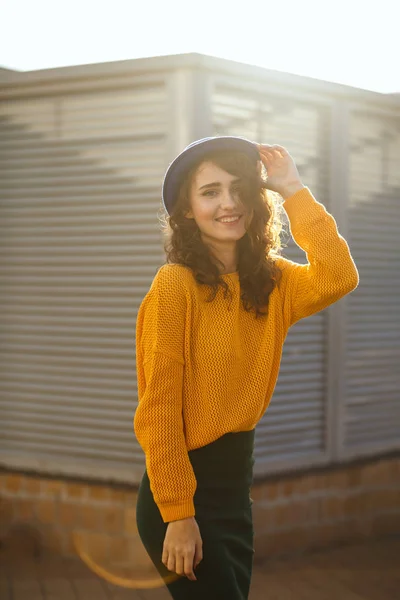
(224, 474)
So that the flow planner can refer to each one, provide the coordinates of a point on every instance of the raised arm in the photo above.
(330, 273)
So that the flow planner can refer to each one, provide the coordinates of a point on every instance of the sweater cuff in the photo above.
(297, 198)
(304, 209)
(174, 512)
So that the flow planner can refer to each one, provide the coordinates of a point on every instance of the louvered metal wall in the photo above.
(80, 243)
(370, 415)
(293, 430)
(83, 153)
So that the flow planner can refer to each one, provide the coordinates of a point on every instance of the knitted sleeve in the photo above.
(158, 421)
(330, 273)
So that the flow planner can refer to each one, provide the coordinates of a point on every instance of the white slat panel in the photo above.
(293, 428)
(79, 246)
(372, 400)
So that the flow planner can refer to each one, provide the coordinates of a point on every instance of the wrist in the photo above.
(291, 189)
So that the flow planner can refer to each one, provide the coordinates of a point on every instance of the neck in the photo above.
(228, 256)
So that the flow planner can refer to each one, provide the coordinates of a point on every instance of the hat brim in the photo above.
(194, 152)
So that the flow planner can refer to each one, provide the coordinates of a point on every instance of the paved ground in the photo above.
(365, 572)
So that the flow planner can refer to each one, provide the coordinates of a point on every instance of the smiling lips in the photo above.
(229, 220)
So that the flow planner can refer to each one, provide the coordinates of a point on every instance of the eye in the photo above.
(209, 193)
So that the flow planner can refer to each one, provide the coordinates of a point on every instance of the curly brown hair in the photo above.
(256, 250)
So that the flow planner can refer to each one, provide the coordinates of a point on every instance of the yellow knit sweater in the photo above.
(206, 369)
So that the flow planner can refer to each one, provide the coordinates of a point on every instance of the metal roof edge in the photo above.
(12, 78)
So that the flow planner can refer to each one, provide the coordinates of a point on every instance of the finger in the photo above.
(198, 557)
(164, 558)
(179, 565)
(280, 148)
(171, 562)
(274, 153)
(266, 159)
(263, 150)
(266, 154)
(188, 568)
(273, 148)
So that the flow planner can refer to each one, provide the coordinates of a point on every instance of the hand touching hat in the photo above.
(283, 176)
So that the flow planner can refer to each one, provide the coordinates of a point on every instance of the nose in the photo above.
(228, 200)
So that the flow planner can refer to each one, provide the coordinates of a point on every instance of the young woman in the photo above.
(209, 339)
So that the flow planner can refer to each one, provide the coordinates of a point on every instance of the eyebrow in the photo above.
(216, 184)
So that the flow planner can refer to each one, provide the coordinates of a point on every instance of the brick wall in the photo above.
(326, 507)
(291, 513)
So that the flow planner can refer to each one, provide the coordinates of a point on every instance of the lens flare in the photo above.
(132, 570)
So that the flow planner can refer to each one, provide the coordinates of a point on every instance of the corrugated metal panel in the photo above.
(79, 243)
(371, 415)
(82, 157)
(292, 432)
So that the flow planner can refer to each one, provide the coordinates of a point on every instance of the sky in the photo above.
(353, 42)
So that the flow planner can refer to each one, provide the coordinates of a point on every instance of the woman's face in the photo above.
(214, 194)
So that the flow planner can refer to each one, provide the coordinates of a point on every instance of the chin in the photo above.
(232, 236)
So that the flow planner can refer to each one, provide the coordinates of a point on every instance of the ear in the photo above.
(189, 214)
